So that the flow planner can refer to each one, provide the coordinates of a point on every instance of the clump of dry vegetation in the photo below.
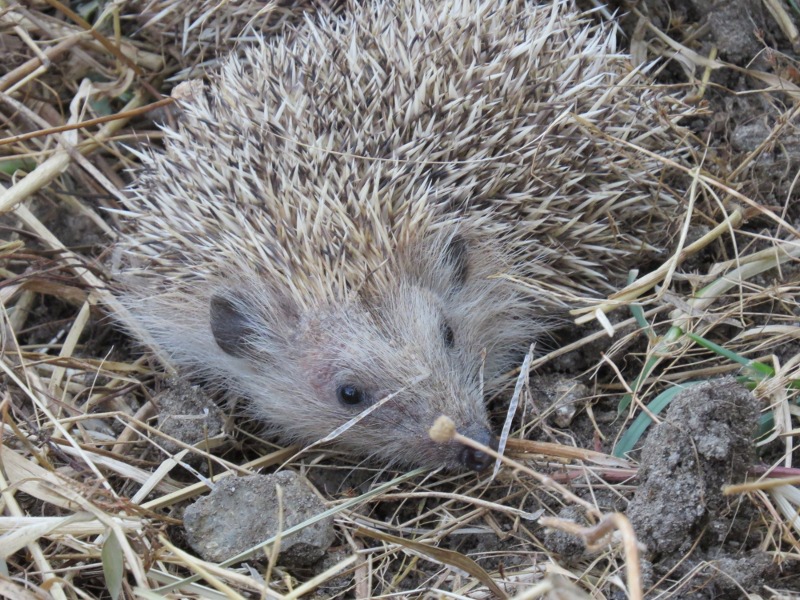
(94, 486)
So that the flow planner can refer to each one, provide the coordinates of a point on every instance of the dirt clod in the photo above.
(569, 547)
(705, 442)
(242, 512)
(731, 575)
(560, 395)
(187, 414)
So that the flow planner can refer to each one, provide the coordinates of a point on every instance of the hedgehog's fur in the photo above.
(344, 204)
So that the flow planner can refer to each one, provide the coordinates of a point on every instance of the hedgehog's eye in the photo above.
(350, 394)
(447, 335)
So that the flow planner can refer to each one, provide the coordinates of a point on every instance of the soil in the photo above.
(188, 414)
(742, 33)
(698, 542)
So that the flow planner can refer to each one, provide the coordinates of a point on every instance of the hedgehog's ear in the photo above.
(248, 327)
(231, 324)
(457, 256)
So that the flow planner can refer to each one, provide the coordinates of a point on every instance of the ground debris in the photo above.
(242, 512)
(705, 442)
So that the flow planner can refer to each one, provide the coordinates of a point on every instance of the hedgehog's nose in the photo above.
(478, 460)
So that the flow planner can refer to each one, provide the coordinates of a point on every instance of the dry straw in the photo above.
(88, 496)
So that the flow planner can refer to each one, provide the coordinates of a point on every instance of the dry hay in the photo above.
(86, 482)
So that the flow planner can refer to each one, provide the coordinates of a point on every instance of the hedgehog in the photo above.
(362, 223)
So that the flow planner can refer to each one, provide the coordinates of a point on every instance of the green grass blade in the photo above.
(640, 424)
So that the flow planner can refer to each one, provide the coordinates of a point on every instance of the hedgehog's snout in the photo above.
(472, 458)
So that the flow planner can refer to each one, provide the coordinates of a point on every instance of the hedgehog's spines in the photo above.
(363, 183)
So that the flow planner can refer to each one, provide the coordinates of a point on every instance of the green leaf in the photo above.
(87, 9)
(640, 424)
(638, 313)
(672, 334)
(9, 166)
(766, 423)
(625, 401)
(760, 369)
(111, 557)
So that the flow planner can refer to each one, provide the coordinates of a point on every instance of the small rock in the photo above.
(734, 24)
(748, 136)
(242, 512)
(561, 397)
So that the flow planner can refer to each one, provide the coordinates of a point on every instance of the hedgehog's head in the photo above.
(382, 364)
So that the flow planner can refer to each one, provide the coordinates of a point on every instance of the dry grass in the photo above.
(90, 498)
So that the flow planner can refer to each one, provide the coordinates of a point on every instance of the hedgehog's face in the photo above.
(388, 369)
(382, 366)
